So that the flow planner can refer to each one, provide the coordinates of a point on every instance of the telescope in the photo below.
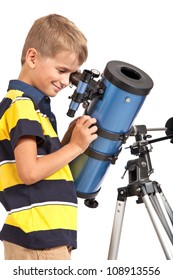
(114, 100)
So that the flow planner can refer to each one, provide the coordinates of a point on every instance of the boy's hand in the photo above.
(84, 132)
(68, 133)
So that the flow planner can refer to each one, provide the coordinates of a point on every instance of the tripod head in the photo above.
(141, 169)
(141, 136)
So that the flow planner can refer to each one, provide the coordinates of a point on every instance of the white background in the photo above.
(137, 32)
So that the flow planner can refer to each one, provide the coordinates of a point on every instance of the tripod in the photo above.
(147, 192)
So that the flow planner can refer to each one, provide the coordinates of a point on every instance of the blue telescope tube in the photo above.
(126, 88)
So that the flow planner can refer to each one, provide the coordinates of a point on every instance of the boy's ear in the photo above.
(31, 56)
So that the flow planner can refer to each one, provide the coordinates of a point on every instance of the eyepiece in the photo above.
(71, 113)
(75, 77)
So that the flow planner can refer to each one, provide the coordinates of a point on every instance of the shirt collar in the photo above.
(36, 95)
(40, 99)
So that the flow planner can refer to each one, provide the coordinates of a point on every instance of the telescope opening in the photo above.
(130, 73)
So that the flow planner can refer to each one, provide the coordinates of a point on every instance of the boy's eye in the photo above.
(61, 70)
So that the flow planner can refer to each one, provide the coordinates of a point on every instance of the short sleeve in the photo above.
(23, 120)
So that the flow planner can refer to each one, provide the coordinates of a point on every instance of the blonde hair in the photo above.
(54, 33)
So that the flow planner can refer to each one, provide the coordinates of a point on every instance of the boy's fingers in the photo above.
(86, 120)
(93, 129)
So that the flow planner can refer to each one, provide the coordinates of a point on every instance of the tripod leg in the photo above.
(167, 206)
(162, 214)
(157, 225)
(116, 229)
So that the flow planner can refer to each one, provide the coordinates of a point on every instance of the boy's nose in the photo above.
(65, 80)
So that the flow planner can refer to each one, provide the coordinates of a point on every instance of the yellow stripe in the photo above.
(62, 174)
(44, 218)
(46, 126)
(23, 109)
(3, 129)
(12, 94)
(9, 176)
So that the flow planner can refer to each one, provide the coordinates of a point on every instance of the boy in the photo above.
(36, 186)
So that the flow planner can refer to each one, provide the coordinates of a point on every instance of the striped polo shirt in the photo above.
(44, 214)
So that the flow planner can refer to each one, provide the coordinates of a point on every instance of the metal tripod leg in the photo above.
(156, 214)
(161, 209)
(167, 206)
(162, 214)
(157, 225)
(117, 226)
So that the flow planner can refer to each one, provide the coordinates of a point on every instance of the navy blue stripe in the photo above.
(48, 146)
(39, 240)
(3, 201)
(53, 190)
(4, 104)
(39, 98)
(6, 152)
(25, 127)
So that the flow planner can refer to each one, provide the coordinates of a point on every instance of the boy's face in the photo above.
(50, 75)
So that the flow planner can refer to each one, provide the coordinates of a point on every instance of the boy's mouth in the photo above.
(57, 88)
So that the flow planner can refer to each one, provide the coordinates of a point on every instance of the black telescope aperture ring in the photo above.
(128, 77)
